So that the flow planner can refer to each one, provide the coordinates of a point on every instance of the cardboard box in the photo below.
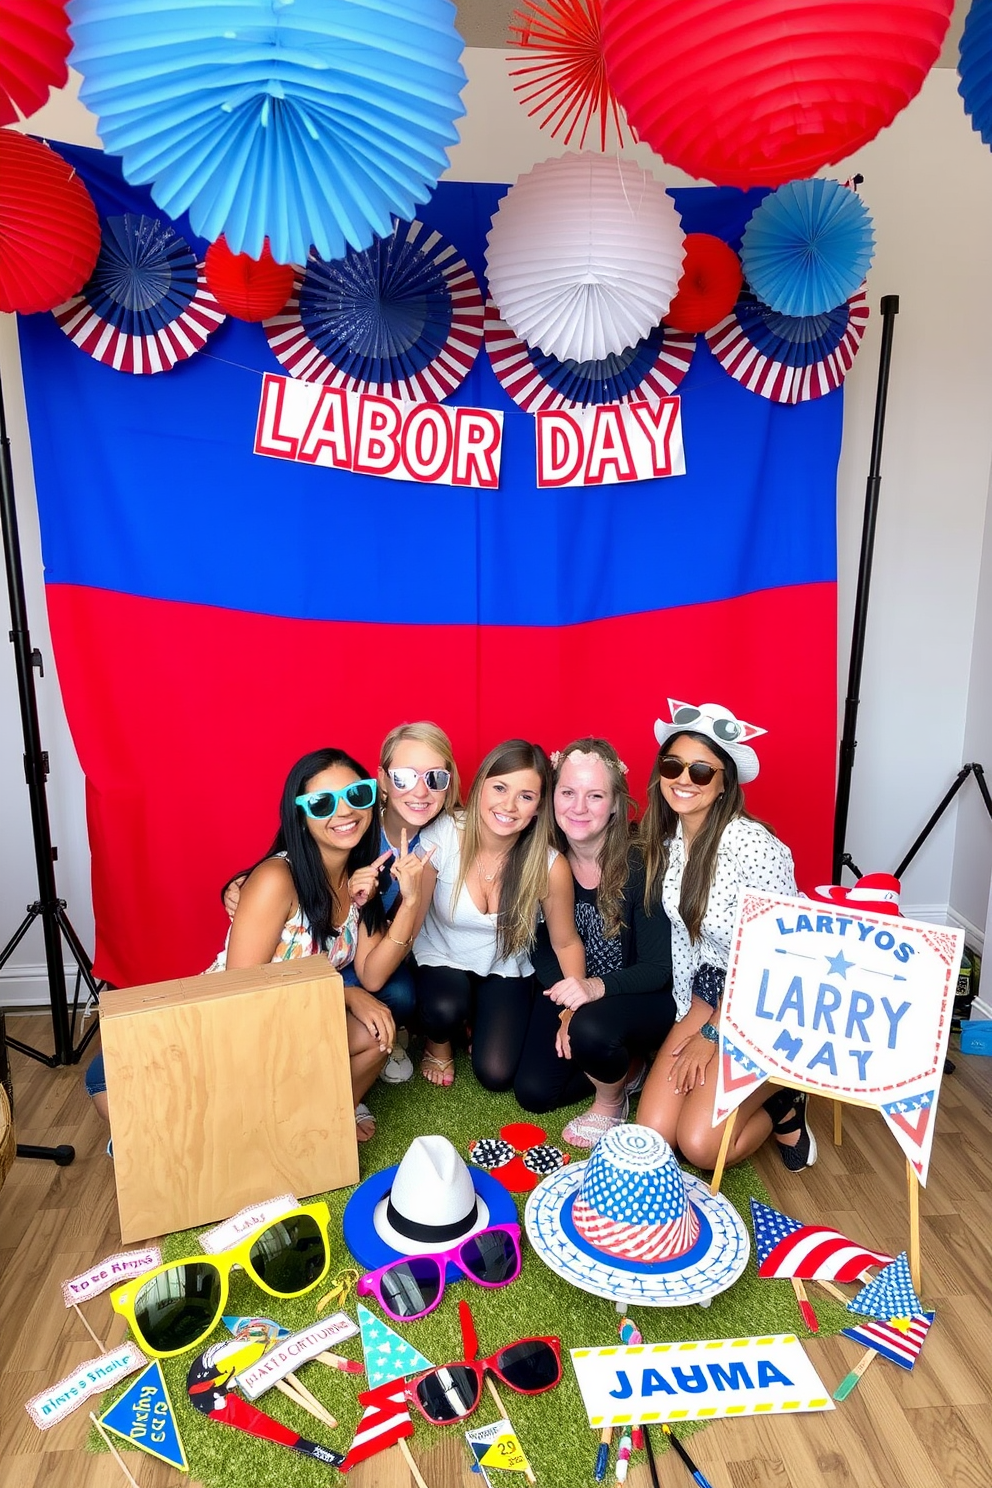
(225, 1090)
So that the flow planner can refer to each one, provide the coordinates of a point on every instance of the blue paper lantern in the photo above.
(307, 122)
(975, 67)
(807, 247)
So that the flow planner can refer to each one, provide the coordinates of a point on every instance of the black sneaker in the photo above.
(803, 1153)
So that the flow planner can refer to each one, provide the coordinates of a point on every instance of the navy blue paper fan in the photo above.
(786, 358)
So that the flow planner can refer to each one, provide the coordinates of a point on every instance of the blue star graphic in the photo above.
(839, 965)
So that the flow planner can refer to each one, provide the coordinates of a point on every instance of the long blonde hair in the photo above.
(435, 738)
(524, 880)
(614, 868)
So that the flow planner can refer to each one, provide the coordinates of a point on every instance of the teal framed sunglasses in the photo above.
(321, 804)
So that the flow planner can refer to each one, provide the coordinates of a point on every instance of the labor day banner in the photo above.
(840, 1003)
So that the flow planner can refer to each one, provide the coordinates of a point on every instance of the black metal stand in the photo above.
(959, 780)
(848, 744)
(48, 908)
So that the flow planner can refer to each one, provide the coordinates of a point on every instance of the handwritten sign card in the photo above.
(91, 1378)
(114, 1271)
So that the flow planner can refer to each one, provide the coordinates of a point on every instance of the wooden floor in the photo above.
(931, 1428)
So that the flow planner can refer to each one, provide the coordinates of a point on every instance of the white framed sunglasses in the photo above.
(405, 778)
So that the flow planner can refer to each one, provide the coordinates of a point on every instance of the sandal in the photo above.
(586, 1130)
(363, 1116)
(787, 1108)
(445, 1068)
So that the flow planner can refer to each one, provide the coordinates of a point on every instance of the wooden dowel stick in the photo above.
(319, 1414)
(528, 1473)
(98, 1341)
(805, 1306)
(114, 1452)
(834, 1291)
(838, 1123)
(415, 1472)
(849, 1381)
(721, 1162)
(914, 1227)
(317, 1406)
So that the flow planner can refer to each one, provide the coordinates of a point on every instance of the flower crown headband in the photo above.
(557, 757)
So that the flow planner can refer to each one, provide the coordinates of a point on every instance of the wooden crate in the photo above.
(225, 1090)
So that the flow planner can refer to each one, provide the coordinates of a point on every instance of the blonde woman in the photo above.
(494, 870)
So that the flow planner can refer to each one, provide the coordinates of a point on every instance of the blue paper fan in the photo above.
(146, 305)
(789, 359)
(807, 247)
(307, 122)
(403, 317)
(975, 67)
(651, 369)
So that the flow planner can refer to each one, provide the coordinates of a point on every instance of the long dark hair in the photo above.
(658, 826)
(303, 855)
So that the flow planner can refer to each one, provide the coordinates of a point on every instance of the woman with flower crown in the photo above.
(592, 1034)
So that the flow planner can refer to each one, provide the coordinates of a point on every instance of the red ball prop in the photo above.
(711, 281)
(759, 92)
(247, 288)
(49, 230)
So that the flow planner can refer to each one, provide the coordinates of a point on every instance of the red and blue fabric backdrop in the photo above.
(215, 614)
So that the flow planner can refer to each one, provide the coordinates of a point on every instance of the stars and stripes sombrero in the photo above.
(402, 318)
(146, 306)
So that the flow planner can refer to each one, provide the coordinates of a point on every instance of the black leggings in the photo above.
(497, 1008)
(604, 1036)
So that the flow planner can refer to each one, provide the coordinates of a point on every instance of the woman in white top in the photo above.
(701, 849)
(493, 871)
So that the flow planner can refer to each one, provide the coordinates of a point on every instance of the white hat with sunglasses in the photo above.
(630, 1225)
(429, 1202)
(715, 722)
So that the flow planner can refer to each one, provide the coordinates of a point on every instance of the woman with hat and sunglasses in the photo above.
(701, 849)
(315, 893)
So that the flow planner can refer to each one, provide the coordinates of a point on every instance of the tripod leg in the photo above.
(62, 1155)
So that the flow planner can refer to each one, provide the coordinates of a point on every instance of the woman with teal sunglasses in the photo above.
(314, 894)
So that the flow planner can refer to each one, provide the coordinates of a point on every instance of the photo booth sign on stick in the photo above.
(109, 1273)
(698, 1380)
(91, 1378)
(843, 1003)
(289, 1353)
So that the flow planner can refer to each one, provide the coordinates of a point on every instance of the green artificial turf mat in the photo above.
(553, 1427)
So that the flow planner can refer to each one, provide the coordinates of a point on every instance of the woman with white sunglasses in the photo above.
(701, 851)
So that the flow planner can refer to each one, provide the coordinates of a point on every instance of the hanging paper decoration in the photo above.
(34, 45)
(403, 318)
(584, 256)
(49, 229)
(975, 67)
(890, 1294)
(789, 359)
(650, 370)
(147, 305)
(787, 1247)
(711, 281)
(807, 247)
(761, 91)
(311, 123)
(563, 78)
(247, 288)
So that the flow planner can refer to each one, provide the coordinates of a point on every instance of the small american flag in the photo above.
(899, 1340)
(787, 1247)
(385, 1421)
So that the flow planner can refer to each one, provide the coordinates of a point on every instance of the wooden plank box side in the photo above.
(227, 1089)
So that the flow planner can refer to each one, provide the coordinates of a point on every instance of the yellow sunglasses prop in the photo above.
(178, 1305)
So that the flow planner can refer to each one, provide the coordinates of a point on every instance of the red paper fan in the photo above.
(34, 45)
(711, 281)
(564, 77)
(247, 288)
(759, 92)
(49, 231)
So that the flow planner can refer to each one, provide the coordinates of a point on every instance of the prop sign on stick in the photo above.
(225, 1236)
(145, 1418)
(843, 1002)
(289, 1353)
(108, 1273)
(693, 1381)
(210, 1386)
(498, 1448)
(91, 1378)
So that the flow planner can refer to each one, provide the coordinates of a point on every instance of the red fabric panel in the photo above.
(187, 718)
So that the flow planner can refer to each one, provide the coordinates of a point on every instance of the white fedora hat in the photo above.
(431, 1201)
(631, 1226)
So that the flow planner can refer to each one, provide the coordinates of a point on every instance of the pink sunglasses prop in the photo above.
(412, 1287)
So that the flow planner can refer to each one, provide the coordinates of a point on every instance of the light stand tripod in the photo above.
(48, 907)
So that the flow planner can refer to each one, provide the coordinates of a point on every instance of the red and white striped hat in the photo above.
(875, 893)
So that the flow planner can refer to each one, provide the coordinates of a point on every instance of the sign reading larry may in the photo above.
(843, 1003)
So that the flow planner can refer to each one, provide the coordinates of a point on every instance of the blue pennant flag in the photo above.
(890, 1294)
(144, 1417)
(387, 1356)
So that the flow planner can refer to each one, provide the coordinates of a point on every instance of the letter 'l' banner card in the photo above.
(697, 1381)
(842, 1003)
(210, 603)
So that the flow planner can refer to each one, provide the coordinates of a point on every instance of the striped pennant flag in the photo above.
(385, 1422)
(900, 1339)
(787, 1247)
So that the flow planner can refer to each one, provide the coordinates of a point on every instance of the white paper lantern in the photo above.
(585, 255)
